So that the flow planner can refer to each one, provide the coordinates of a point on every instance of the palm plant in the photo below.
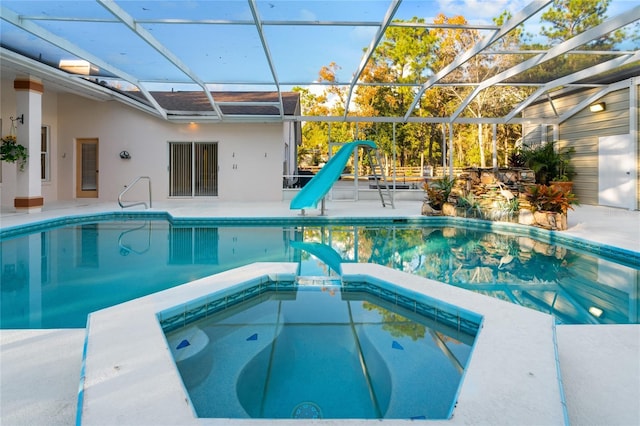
(548, 163)
(438, 191)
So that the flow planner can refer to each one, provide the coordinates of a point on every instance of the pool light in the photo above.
(595, 311)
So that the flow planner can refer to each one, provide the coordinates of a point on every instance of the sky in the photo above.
(475, 11)
(234, 53)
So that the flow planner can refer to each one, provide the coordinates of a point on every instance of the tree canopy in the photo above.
(409, 54)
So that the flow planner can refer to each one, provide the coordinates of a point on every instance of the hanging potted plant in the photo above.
(12, 152)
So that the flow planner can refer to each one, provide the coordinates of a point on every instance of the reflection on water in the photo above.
(344, 352)
(55, 278)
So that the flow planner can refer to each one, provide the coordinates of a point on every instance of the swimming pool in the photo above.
(55, 273)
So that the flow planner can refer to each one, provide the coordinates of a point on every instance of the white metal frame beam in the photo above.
(531, 9)
(594, 97)
(393, 7)
(141, 32)
(555, 51)
(42, 33)
(267, 52)
(563, 81)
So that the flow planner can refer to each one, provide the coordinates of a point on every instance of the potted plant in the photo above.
(550, 205)
(437, 194)
(12, 152)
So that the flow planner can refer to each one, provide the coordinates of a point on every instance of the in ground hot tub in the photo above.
(357, 350)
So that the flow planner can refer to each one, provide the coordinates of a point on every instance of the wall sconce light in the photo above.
(125, 155)
(600, 106)
(19, 119)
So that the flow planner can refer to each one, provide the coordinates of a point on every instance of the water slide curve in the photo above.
(321, 183)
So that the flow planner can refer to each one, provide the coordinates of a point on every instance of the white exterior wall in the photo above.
(7, 109)
(250, 155)
(254, 149)
(50, 119)
(290, 150)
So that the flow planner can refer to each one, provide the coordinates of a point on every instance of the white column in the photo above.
(29, 106)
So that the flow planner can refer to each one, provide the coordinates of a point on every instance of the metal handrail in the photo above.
(128, 187)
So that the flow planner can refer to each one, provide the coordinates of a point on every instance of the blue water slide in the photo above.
(323, 252)
(321, 183)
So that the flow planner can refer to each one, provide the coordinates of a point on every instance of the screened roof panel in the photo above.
(114, 43)
(433, 102)
(558, 67)
(196, 45)
(287, 41)
(496, 101)
(229, 53)
(187, 10)
(31, 46)
(327, 10)
(77, 9)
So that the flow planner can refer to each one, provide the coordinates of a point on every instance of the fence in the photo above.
(401, 171)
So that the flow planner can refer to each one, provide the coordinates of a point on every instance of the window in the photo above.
(45, 149)
(193, 169)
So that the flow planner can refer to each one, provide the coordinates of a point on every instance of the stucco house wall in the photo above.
(582, 130)
(250, 155)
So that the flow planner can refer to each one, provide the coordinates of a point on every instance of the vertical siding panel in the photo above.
(582, 132)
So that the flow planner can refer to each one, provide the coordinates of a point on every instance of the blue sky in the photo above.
(344, 45)
(233, 53)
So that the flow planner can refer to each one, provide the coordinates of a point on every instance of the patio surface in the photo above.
(40, 369)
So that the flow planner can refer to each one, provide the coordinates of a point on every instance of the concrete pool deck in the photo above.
(40, 369)
(512, 374)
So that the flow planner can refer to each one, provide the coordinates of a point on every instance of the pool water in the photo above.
(319, 352)
(55, 278)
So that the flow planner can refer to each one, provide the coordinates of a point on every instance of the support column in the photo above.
(29, 181)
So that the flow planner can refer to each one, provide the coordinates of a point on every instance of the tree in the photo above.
(404, 56)
(331, 101)
(568, 18)
(453, 40)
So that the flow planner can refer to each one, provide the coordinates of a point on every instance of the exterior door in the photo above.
(87, 168)
(193, 169)
(616, 171)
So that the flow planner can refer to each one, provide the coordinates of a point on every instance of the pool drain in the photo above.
(306, 410)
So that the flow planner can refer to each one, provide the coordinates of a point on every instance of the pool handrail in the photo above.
(128, 187)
